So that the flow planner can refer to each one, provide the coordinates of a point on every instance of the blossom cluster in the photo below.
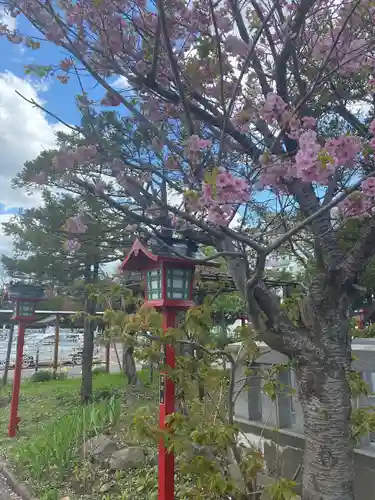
(219, 197)
(314, 160)
(193, 147)
(82, 155)
(74, 226)
(361, 203)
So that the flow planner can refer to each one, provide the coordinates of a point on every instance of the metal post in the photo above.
(107, 356)
(167, 406)
(14, 418)
(37, 359)
(9, 352)
(56, 346)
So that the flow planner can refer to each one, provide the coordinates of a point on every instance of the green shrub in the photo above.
(105, 393)
(47, 375)
(60, 375)
(98, 370)
(41, 376)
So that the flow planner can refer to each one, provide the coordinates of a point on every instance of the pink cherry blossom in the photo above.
(356, 205)
(343, 149)
(111, 100)
(368, 187)
(72, 245)
(75, 225)
(273, 108)
(372, 127)
(195, 143)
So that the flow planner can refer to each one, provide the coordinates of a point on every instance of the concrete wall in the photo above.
(259, 417)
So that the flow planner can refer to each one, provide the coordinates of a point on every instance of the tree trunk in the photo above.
(324, 394)
(129, 365)
(88, 338)
(320, 343)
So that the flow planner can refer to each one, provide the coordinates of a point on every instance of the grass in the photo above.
(47, 451)
(53, 427)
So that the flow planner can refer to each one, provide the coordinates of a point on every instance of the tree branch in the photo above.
(174, 66)
(362, 251)
(37, 105)
(322, 210)
(244, 69)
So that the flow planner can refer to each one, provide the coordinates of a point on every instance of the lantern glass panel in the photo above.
(178, 283)
(27, 309)
(154, 284)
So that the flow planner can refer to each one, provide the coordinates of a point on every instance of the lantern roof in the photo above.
(24, 291)
(141, 256)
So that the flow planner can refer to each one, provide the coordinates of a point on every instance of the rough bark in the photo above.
(328, 459)
(320, 344)
(129, 365)
(324, 393)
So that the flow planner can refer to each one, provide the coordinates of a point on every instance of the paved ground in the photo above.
(6, 492)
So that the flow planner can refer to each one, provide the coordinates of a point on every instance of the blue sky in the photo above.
(25, 131)
(58, 97)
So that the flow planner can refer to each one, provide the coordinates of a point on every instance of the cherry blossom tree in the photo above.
(235, 105)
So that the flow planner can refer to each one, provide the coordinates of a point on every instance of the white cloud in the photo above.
(120, 83)
(174, 198)
(24, 133)
(6, 19)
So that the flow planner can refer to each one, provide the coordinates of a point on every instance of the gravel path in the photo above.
(6, 493)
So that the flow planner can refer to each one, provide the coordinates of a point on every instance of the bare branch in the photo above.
(152, 74)
(282, 60)
(244, 69)
(257, 66)
(174, 66)
(205, 259)
(37, 105)
(324, 208)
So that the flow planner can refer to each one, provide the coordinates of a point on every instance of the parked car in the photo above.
(41, 344)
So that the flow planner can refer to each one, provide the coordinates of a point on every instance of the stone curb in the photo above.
(18, 487)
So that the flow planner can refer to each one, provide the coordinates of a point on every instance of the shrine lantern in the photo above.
(24, 298)
(168, 280)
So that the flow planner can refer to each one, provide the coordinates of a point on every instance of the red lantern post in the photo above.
(24, 298)
(169, 289)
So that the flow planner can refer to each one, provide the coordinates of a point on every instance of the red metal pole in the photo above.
(14, 418)
(167, 406)
(107, 356)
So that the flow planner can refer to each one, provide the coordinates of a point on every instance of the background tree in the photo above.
(38, 236)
